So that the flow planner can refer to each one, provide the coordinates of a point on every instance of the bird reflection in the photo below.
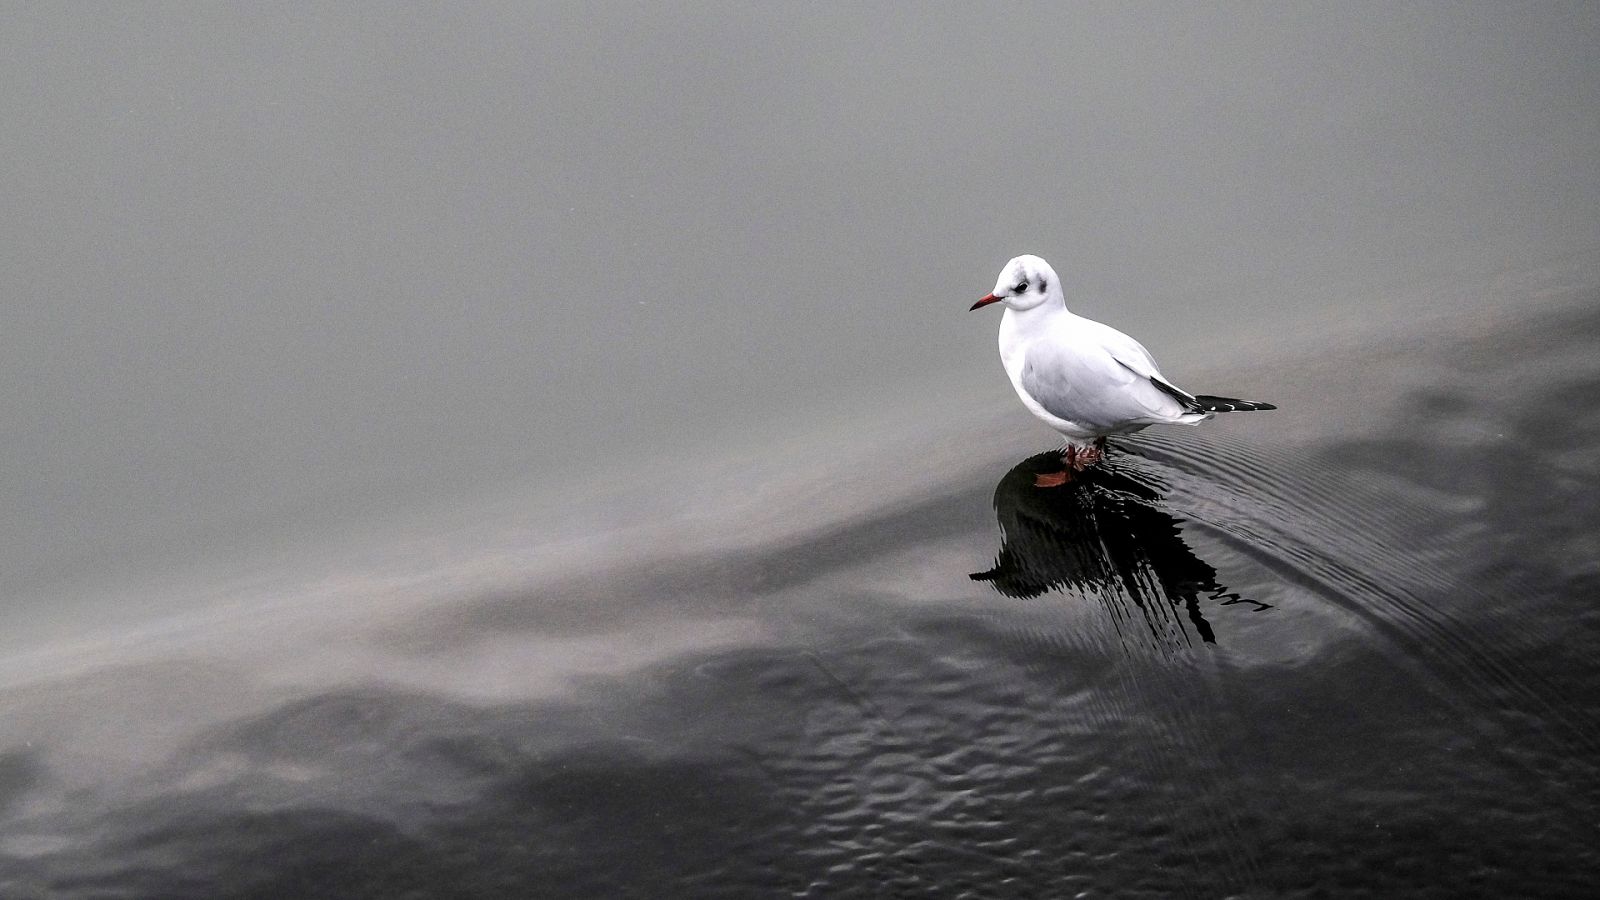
(1104, 533)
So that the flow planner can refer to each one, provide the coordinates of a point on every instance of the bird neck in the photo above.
(1025, 323)
(1047, 311)
(1055, 298)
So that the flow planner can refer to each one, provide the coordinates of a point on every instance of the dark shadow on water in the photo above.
(1104, 533)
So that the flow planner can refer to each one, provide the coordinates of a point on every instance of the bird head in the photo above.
(1025, 282)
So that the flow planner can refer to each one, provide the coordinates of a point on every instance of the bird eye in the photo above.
(1022, 287)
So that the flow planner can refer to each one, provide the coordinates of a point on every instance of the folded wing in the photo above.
(1098, 377)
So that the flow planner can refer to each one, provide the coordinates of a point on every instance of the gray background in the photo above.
(283, 271)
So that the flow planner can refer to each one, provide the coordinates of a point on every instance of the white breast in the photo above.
(1016, 333)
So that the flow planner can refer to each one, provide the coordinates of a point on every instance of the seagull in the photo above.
(1084, 379)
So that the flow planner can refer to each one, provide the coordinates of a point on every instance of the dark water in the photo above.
(1351, 648)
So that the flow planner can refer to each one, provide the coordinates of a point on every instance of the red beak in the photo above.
(987, 299)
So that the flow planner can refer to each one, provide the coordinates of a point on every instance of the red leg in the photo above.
(1057, 479)
(1085, 456)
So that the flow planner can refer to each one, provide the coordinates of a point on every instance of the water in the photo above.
(1227, 663)
(273, 276)
(368, 542)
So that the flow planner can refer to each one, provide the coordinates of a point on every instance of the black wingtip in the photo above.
(1208, 403)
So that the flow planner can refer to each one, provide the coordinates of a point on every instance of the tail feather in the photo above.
(1208, 403)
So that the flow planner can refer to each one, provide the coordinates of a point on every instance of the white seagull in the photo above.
(1084, 379)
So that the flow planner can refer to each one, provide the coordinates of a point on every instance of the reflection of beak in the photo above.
(988, 299)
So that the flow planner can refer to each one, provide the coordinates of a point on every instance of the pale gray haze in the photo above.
(278, 272)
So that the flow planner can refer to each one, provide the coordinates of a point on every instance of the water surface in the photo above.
(509, 451)
(1229, 662)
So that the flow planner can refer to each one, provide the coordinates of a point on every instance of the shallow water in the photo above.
(1264, 657)
(509, 450)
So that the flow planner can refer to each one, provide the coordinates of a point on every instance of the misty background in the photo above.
(277, 273)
